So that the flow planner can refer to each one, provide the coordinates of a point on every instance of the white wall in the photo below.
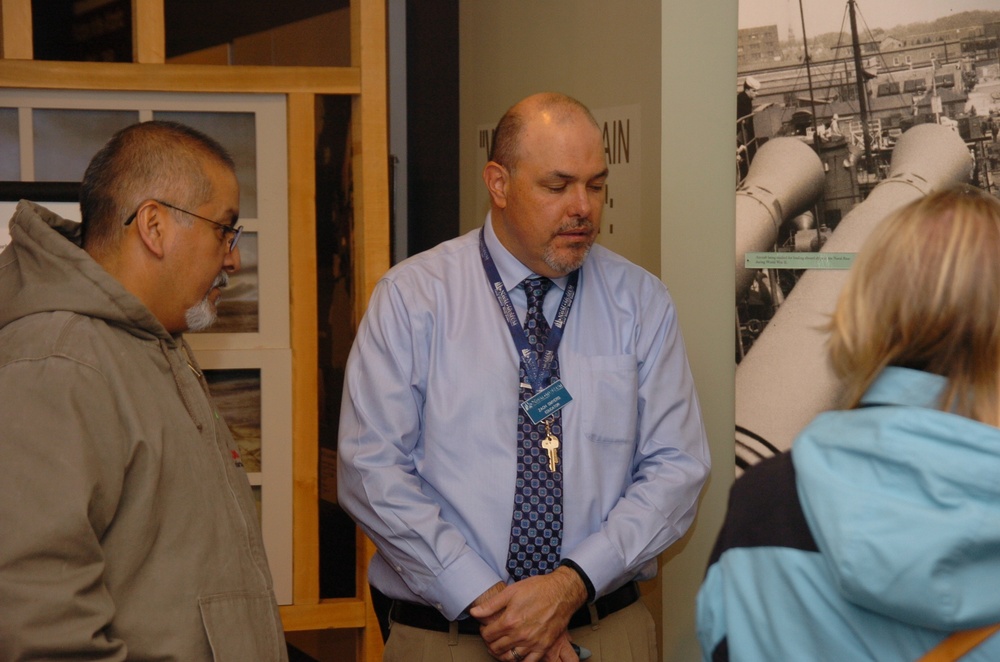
(673, 65)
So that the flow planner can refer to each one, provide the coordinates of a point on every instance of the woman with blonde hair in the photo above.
(878, 534)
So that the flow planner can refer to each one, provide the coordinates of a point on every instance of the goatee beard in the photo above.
(566, 265)
(203, 315)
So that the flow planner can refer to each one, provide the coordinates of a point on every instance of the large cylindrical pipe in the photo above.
(785, 178)
(785, 379)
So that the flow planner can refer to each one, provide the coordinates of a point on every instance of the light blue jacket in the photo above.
(903, 503)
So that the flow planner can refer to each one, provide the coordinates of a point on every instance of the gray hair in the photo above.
(157, 159)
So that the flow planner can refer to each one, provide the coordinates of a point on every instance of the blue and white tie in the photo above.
(536, 527)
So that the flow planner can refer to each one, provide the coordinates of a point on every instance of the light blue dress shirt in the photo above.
(427, 447)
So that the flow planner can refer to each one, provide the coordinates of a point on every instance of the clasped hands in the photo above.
(527, 621)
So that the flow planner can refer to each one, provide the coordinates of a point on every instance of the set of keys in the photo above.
(551, 444)
(541, 408)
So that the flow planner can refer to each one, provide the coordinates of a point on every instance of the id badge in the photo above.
(546, 402)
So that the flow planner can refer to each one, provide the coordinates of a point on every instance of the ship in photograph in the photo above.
(832, 148)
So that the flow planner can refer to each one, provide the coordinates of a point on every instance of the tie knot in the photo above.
(535, 288)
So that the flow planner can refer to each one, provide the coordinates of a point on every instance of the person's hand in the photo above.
(560, 651)
(527, 620)
(488, 594)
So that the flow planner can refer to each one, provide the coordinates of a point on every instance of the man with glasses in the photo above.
(129, 527)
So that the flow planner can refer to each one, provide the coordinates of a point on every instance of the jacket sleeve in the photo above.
(763, 511)
(63, 471)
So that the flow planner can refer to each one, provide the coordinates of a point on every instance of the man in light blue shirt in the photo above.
(428, 448)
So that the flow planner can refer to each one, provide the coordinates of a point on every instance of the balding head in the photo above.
(548, 107)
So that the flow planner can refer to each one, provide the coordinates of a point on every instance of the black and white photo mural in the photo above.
(846, 111)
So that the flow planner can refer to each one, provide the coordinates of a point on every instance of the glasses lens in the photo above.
(236, 238)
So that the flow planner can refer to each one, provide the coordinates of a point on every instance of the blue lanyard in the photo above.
(537, 373)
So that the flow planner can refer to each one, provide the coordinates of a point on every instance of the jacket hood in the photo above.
(902, 500)
(43, 269)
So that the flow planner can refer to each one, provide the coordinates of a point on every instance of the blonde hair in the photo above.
(924, 293)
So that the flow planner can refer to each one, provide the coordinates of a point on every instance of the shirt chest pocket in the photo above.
(606, 392)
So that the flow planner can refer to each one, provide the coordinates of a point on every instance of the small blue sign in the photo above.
(546, 402)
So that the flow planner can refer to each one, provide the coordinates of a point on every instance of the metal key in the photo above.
(551, 444)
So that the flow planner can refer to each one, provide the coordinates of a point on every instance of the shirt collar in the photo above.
(511, 270)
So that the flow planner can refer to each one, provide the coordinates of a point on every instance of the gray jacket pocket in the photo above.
(242, 627)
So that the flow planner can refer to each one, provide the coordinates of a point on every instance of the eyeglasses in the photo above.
(237, 232)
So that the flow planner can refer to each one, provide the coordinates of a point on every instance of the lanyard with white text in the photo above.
(536, 373)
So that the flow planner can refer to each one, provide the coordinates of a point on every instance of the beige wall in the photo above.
(676, 61)
(698, 203)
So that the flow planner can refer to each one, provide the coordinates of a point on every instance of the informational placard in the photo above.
(798, 260)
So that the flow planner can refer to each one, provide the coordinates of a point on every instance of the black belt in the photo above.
(428, 618)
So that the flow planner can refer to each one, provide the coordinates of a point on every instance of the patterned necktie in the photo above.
(536, 527)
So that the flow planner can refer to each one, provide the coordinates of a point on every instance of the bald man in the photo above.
(520, 434)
